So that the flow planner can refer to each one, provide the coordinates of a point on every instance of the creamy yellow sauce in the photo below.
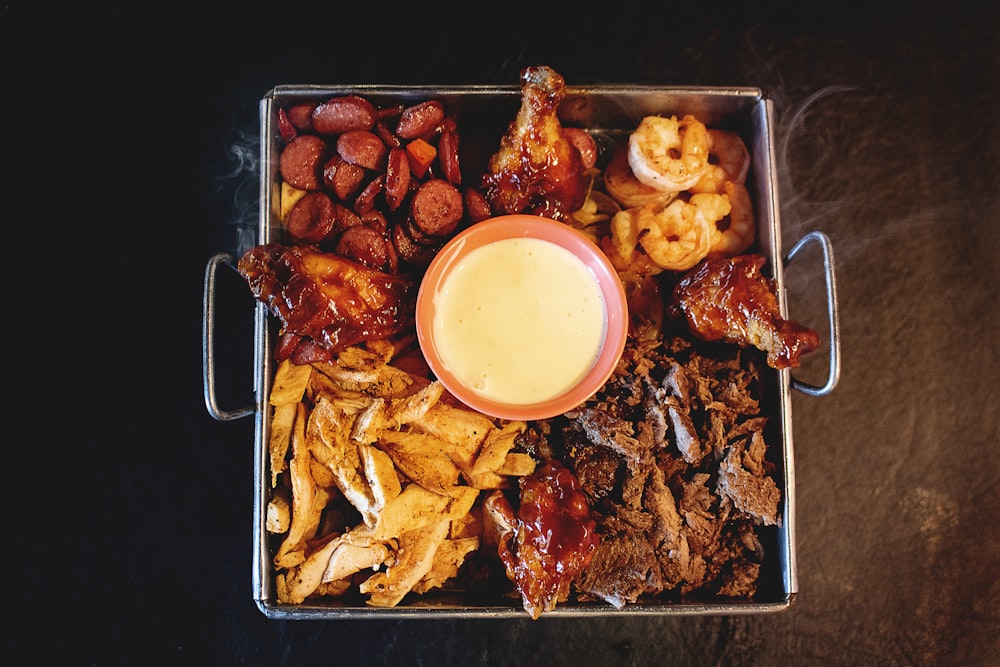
(519, 320)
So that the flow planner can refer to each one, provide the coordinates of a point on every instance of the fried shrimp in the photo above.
(733, 234)
(669, 154)
(728, 160)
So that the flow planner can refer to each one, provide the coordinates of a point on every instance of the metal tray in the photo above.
(610, 112)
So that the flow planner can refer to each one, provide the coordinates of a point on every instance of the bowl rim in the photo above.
(510, 226)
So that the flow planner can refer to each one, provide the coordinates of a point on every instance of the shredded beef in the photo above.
(672, 457)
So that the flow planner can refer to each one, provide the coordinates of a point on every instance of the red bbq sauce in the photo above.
(553, 540)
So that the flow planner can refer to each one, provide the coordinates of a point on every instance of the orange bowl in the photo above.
(521, 317)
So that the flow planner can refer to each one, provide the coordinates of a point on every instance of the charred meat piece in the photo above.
(328, 299)
(730, 300)
(537, 168)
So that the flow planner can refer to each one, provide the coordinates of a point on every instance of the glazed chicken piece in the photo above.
(550, 539)
(729, 299)
(325, 299)
(537, 169)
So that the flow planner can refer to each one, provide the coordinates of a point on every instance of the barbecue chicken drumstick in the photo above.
(537, 169)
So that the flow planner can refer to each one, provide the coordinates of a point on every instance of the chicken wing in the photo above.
(325, 298)
(729, 299)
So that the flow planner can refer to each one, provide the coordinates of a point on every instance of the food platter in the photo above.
(609, 113)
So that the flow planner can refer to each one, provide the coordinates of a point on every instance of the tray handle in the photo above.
(208, 341)
(831, 305)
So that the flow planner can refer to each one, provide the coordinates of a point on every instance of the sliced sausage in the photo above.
(286, 346)
(366, 200)
(477, 207)
(419, 119)
(437, 207)
(376, 220)
(347, 218)
(448, 156)
(411, 252)
(419, 236)
(386, 135)
(285, 127)
(343, 114)
(365, 246)
(312, 219)
(363, 148)
(342, 178)
(300, 115)
(301, 161)
(397, 178)
(584, 143)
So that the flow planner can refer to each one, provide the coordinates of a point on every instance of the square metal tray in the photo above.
(609, 112)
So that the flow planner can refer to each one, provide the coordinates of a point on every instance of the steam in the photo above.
(235, 181)
(798, 215)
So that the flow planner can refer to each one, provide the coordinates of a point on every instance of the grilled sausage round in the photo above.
(584, 143)
(301, 161)
(312, 219)
(448, 156)
(342, 178)
(365, 246)
(397, 178)
(437, 207)
(477, 208)
(362, 148)
(343, 114)
(419, 119)
(365, 201)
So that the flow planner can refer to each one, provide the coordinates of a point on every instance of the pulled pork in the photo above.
(671, 456)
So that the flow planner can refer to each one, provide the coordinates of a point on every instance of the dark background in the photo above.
(133, 136)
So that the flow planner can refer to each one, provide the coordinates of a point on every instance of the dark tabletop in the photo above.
(135, 139)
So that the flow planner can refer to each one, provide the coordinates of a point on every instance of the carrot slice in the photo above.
(420, 155)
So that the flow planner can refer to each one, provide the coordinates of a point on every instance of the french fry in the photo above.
(289, 197)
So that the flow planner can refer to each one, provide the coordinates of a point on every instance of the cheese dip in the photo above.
(519, 320)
